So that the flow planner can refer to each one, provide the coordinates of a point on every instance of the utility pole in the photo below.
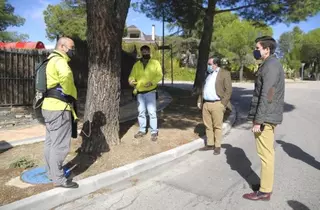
(302, 70)
(171, 66)
(162, 47)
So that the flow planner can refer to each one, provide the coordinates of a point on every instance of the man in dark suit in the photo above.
(214, 100)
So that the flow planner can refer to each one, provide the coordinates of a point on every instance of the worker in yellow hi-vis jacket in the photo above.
(58, 111)
(144, 77)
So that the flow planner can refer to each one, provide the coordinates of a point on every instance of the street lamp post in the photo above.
(163, 47)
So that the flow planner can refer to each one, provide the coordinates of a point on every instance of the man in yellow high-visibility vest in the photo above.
(144, 77)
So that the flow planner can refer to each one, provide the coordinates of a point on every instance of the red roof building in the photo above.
(22, 45)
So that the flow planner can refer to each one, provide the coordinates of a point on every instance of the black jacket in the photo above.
(268, 96)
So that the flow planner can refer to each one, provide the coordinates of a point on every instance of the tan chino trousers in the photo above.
(212, 113)
(265, 149)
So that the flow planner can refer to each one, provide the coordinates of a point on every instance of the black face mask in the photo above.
(257, 54)
(70, 53)
(146, 57)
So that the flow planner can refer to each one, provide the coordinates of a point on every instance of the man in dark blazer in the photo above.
(214, 100)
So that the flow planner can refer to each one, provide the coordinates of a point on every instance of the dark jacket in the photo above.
(268, 96)
(223, 88)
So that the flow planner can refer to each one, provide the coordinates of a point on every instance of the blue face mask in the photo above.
(209, 69)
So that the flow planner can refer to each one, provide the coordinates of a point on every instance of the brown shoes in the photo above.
(154, 137)
(255, 196)
(217, 151)
(139, 135)
(207, 148)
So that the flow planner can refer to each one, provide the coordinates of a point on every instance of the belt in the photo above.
(147, 91)
(210, 101)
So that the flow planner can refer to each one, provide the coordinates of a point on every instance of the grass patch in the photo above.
(23, 163)
(182, 74)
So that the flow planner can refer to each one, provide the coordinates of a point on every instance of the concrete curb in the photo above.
(7, 145)
(57, 196)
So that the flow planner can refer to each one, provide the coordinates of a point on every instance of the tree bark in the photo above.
(204, 46)
(106, 21)
(317, 70)
(241, 71)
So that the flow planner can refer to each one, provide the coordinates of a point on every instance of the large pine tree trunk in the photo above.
(106, 21)
(204, 46)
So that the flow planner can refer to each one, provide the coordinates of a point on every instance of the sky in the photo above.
(32, 11)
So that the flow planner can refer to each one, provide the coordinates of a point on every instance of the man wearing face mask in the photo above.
(266, 112)
(144, 77)
(58, 111)
(214, 101)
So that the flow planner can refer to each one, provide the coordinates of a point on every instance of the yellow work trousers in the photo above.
(265, 149)
(212, 114)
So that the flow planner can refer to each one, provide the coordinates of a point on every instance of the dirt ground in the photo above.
(179, 123)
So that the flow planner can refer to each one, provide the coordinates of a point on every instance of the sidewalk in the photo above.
(36, 133)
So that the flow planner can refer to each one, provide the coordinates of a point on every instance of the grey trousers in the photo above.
(57, 143)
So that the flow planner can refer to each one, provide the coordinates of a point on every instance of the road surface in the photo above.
(203, 181)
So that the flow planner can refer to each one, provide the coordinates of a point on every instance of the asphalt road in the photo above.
(203, 181)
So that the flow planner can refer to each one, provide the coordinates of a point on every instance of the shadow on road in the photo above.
(5, 146)
(296, 205)
(297, 153)
(238, 161)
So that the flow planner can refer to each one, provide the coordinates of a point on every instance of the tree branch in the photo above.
(199, 6)
(239, 8)
(177, 32)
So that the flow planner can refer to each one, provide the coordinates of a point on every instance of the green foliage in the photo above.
(297, 48)
(182, 74)
(125, 31)
(286, 42)
(290, 44)
(310, 48)
(66, 19)
(9, 36)
(182, 45)
(187, 14)
(237, 40)
(8, 18)
(23, 162)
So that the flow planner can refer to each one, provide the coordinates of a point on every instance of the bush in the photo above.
(182, 74)
(23, 163)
